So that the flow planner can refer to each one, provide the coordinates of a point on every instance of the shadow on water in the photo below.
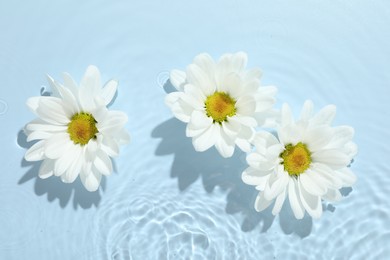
(214, 170)
(54, 187)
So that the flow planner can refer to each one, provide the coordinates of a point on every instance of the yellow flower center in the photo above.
(219, 106)
(82, 128)
(296, 158)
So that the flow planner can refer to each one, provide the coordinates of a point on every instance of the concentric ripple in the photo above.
(172, 226)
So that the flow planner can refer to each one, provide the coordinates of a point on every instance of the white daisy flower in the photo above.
(306, 163)
(221, 102)
(76, 134)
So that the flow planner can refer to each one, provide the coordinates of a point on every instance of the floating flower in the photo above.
(221, 102)
(306, 163)
(76, 134)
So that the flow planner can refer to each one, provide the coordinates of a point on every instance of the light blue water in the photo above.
(165, 201)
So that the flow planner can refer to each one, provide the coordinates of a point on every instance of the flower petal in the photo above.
(332, 157)
(324, 116)
(261, 203)
(51, 110)
(207, 139)
(109, 90)
(103, 163)
(310, 202)
(57, 145)
(307, 110)
(286, 115)
(347, 177)
(295, 201)
(47, 169)
(310, 184)
(36, 152)
(224, 144)
(252, 176)
(197, 77)
(177, 79)
(91, 181)
(198, 124)
(279, 202)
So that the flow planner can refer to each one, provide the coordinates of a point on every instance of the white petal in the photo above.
(199, 122)
(223, 68)
(32, 103)
(243, 144)
(263, 140)
(276, 187)
(347, 177)
(253, 74)
(231, 84)
(207, 64)
(286, 115)
(74, 169)
(103, 163)
(198, 98)
(279, 202)
(341, 135)
(239, 61)
(328, 177)
(317, 138)
(332, 157)
(178, 79)
(91, 80)
(246, 105)
(38, 135)
(261, 203)
(224, 144)
(46, 169)
(108, 91)
(198, 78)
(89, 88)
(193, 97)
(324, 116)
(35, 152)
(123, 137)
(110, 146)
(295, 202)
(50, 109)
(57, 145)
(54, 86)
(311, 203)
(252, 176)
(63, 163)
(70, 84)
(231, 128)
(307, 110)
(333, 195)
(259, 162)
(113, 123)
(180, 110)
(310, 184)
(290, 134)
(207, 139)
(92, 181)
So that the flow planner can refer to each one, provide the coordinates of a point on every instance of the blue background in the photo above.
(164, 201)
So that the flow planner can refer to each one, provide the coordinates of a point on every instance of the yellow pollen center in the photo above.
(296, 158)
(219, 106)
(82, 128)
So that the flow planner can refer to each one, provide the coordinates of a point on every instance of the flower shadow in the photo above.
(214, 170)
(54, 187)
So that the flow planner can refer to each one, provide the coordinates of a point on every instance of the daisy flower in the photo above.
(221, 102)
(308, 162)
(75, 132)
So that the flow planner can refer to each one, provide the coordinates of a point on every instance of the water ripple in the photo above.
(11, 217)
